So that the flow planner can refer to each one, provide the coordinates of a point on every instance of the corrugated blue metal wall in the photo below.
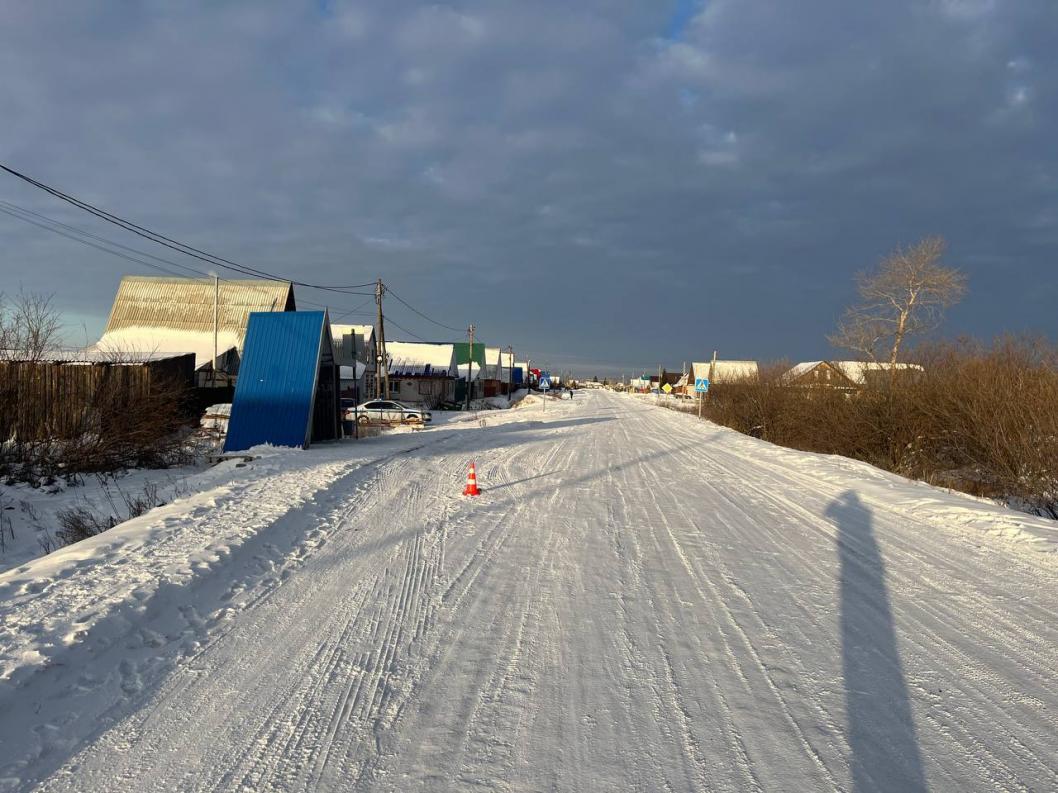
(277, 377)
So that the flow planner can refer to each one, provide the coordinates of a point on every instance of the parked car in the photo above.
(385, 411)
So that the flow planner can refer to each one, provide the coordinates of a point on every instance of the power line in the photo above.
(429, 319)
(61, 233)
(179, 247)
(11, 209)
(105, 245)
(400, 327)
(168, 242)
(79, 235)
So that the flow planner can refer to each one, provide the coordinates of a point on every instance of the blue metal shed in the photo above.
(287, 392)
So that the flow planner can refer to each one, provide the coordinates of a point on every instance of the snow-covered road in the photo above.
(637, 602)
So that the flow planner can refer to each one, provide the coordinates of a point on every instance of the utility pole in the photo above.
(216, 320)
(381, 360)
(510, 372)
(470, 364)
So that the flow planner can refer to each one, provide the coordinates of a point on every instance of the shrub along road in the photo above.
(636, 602)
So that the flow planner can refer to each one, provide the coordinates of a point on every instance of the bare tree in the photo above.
(29, 326)
(905, 296)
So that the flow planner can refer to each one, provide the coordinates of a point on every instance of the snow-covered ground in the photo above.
(638, 601)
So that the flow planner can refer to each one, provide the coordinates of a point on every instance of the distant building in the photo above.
(422, 372)
(191, 315)
(720, 372)
(356, 351)
(471, 369)
(847, 375)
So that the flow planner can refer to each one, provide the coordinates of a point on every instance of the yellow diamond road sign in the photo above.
(667, 388)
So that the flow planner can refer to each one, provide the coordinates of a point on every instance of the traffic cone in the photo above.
(472, 482)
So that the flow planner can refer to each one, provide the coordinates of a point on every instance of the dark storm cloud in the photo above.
(596, 182)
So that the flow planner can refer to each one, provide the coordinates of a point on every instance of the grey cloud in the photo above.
(559, 173)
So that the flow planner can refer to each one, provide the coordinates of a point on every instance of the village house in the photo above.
(422, 373)
(847, 375)
(356, 352)
(471, 369)
(202, 316)
(494, 380)
(720, 372)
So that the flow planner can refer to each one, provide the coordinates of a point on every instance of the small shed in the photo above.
(287, 393)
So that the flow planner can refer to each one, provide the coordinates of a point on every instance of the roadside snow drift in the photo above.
(637, 601)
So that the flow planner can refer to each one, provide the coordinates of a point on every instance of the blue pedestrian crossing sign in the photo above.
(545, 382)
(701, 384)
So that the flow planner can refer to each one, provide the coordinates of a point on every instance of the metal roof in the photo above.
(424, 359)
(462, 349)
(725, 371)
(91, 355)
(276, 391)
(186, 304)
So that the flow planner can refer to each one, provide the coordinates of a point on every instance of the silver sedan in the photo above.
(385, 411)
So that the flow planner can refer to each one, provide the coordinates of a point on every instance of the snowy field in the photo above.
(638, 601)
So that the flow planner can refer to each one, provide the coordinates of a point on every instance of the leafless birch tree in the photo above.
(906, 295)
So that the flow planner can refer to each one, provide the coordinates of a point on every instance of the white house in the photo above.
(422, 372)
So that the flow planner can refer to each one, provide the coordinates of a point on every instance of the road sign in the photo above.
(667, 388)
(701, 384)
(545, 383)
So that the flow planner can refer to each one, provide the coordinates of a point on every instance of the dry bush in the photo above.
(989, 419)
(79, 523)
(116, 428)
(979, 419)
(123, 430)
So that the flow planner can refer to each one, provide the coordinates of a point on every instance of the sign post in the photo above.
(701, 386)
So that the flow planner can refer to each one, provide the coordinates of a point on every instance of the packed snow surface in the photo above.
(638, 601)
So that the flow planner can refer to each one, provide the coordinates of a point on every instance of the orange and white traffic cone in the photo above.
(472, 482)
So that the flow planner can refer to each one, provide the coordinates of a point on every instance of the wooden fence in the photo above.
(62, 400)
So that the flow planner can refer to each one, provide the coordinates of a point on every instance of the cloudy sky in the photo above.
(604, 185)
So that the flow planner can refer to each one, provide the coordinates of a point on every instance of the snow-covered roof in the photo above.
(92, 355)
(802, 368)
(725, 371)
(476, 374)
(361, 338)
(493, 365)
(363, 333)
(167, 342)
(354, 372)
(856, 371)
(420, 358)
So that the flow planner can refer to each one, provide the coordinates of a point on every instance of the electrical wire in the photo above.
(179, 247)
(125, 256)
(168, 242)
(429, 319)
(16, 211)
(401, 327)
